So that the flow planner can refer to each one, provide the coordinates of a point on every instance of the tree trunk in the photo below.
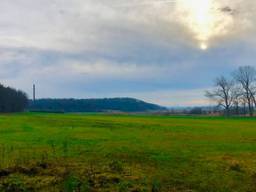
(253, 99)
(227, 111)
(244, 108)
(237, 109)
(250, 107)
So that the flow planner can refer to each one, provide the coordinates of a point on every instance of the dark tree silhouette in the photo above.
(246, 77)
(12, 100)
(223, 93)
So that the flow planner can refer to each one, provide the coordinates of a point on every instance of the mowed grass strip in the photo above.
(165, 152)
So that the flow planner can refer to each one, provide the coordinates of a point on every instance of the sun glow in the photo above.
(203, 46)
(204, 19)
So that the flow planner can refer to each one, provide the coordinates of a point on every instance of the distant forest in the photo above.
(92, 105)
(12, 100)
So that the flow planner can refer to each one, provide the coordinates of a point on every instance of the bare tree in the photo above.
(238, 99)
(223, 93)
(246, 77)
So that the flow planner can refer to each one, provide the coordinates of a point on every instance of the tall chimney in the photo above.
(34, 92)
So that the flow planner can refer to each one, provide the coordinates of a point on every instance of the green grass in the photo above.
(128, 153)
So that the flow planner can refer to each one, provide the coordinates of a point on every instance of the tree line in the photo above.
(12, 100)
(236, 94)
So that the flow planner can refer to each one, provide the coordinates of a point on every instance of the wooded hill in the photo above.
(93, 105)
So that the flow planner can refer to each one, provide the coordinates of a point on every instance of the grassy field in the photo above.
(93, 152)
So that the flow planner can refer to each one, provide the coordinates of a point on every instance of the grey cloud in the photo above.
(132, 46)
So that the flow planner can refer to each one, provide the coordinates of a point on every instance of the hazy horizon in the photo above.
(166, 52)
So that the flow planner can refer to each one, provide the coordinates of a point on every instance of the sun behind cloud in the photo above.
(206, 19)
(203, 46)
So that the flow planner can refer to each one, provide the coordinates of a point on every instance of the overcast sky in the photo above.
(162, 51)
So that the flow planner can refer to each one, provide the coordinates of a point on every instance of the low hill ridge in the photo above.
(94, 105)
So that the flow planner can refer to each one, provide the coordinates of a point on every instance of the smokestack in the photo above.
(34, 92)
